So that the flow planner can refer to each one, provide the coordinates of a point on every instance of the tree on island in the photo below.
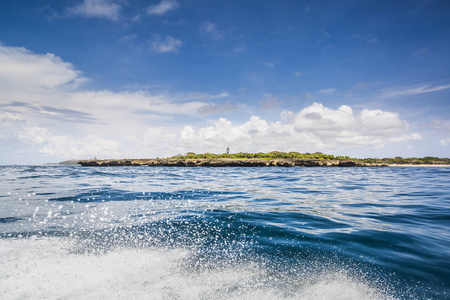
(317, 155)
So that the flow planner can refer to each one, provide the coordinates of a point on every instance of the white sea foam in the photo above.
(45, 268)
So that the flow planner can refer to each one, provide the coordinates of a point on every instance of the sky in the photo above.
(144, 79)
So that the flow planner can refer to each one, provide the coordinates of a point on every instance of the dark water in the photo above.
(224, 233)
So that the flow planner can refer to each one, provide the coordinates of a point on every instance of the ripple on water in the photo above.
(241, 232)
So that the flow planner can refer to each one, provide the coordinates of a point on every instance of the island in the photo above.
(271, 159)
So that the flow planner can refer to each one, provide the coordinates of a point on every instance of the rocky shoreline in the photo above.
(227, 162)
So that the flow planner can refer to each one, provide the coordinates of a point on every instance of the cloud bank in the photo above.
(314, 128)
(49, 116)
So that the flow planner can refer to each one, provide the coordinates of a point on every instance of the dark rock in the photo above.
(225, 162)
(347, 163)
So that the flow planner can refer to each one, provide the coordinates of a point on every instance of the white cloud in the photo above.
(97, 8)
(444, 142)
(326, 91)
(268, 64)
(35, 100)
(342, 128)
(314, 128)
(436, 123)
(140, 102)
(155, 141)
(168, 44)
(22, 68)
(317, 117)
(162, 8)
(95, 123)
(35, 134)
(8, 117)
(65, 146)
(129, 37)
(210, 29)
(253, 135)
(287, 116)
(414, 91)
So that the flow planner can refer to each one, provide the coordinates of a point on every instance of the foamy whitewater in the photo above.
(224, 233)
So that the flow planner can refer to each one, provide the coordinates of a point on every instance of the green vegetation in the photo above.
(71, 162)
(261, 155)
(428, 160)
(318, 155)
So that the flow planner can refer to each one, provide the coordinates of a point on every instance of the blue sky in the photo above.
(116, 78)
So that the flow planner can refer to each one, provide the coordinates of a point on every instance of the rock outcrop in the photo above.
(226, 162)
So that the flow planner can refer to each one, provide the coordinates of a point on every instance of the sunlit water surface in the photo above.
(224, 233)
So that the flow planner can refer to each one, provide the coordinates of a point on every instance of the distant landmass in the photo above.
(70, 162)
(274, 158)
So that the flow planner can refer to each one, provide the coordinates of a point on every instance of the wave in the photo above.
(38, 268)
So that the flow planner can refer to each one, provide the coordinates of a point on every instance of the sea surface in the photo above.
(69, 232)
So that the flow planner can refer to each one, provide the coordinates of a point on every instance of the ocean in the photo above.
(69, 232)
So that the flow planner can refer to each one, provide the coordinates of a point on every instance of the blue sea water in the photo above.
(224, 233)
